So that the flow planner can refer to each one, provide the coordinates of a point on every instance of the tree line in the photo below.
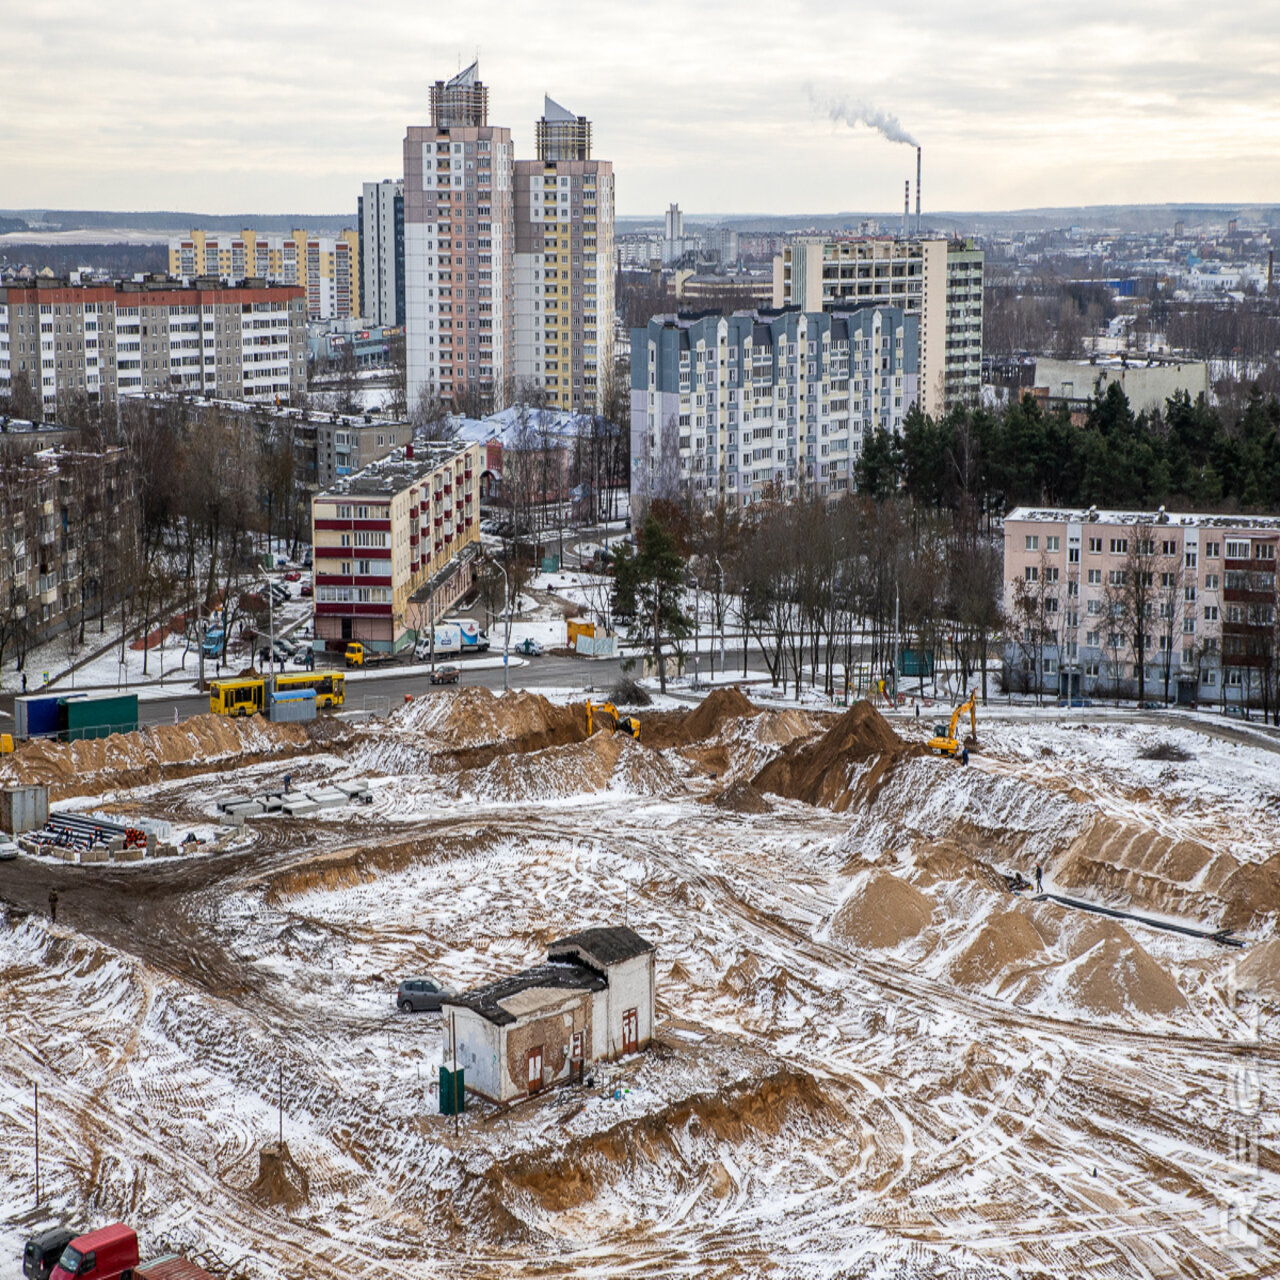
(976, 461)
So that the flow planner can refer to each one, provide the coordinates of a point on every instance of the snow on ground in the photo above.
(873, 1059)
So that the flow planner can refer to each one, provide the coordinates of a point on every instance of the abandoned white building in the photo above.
(592, 999)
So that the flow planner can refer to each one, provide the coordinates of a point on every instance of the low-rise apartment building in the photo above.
(394, 543)
(104, 341)
(68, 535)
(1205, 585)
(729, 408)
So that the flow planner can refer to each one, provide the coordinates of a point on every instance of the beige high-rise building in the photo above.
(564, 275)
(937, 279)
(327, 267)
(459, 245)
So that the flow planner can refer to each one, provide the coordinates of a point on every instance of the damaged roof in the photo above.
(603, 946)
(487, 1001)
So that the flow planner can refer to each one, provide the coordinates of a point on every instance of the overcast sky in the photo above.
(288, 105)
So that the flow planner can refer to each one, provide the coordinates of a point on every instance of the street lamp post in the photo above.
(506, 636)
(720, 609)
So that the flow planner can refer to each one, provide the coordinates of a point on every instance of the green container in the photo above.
(916, 662)
(453, 1091)
(550, 564)
(97, 717)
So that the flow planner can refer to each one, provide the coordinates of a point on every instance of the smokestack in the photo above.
(918, 150)
(906, 208)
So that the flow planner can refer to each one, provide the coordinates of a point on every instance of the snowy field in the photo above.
(872, 1059)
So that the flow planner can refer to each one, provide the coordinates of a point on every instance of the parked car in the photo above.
(43, 1250)
(301, 658)
(447, 674)
(293, 576)
(9, 851)
(306, 589)
(529, 647)
(420, 995)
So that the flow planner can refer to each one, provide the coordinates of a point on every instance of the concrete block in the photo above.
(231, 820)
(129, 855)
(328, 797)
(246, 809)
(301, 808)
(269, 804)
(353, 787)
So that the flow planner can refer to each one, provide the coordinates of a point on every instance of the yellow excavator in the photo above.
(944, 740)
(629, 725)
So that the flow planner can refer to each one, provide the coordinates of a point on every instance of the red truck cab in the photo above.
(105, 1254)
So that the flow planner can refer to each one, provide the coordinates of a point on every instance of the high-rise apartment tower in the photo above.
(564, 278)
(459, 234)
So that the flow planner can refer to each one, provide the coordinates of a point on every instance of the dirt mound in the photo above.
(281, 1180)
(202, 743)
(740, 797)
(1006, 942)
(1127, 864)
(718, 706)
(882, 912)
(782, 1105)
(475, 717)
(1116, 976)
(1260, 970)
(601, 762)
(822, 772)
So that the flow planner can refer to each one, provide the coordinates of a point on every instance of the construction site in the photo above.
(880, 1049)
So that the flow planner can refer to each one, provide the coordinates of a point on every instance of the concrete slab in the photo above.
(353, 786)
(246, 809)
(329, 797)
(301, 808)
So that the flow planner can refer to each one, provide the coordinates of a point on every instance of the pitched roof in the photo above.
(487, 1001)
(604, 945)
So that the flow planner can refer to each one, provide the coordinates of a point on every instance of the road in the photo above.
(536, 673)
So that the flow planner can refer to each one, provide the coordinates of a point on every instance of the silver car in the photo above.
(421, 995)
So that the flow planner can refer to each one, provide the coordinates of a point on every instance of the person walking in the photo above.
(1039, 879)
(24, 682)
(964, 755)
(53, 905)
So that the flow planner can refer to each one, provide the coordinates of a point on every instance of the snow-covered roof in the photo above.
(508, 426)
(1091, 515)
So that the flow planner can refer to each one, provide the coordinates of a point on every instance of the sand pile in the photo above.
(605, 761)
(1005, 946)
(882, 912)
(1129, 865)
(1259, 971)
(783, 1106)
(1115, 976)
(823, 772)
(474, 716)
(149, 755)
(711, 713)
(280, 1181)
(739, 797)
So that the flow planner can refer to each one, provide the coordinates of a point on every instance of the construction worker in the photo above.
(1039, 879)
(53, 905)
(964, 755)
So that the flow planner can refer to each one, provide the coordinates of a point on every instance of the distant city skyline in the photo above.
(743, 108)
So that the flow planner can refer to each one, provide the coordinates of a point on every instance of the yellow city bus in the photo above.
(237, 697)
(330, 686)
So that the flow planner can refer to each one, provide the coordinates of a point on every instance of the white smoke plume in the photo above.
(884, 122)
